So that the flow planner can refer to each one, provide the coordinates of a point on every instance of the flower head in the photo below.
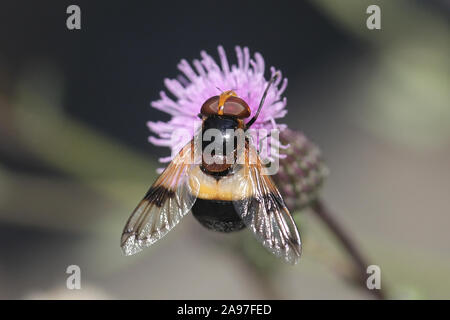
(302, 172)
(205, 78)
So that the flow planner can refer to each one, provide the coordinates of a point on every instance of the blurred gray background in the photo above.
(74, 157)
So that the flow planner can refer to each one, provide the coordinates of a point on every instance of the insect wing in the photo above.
(168, 200)
(263, 210)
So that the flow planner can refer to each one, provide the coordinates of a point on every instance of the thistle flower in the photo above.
(204, 79)
(302, 171)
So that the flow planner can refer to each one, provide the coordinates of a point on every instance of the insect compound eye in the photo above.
(233, 106)
(210, 106)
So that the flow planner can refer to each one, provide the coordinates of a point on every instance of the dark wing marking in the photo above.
(265, 213)
(168, 200)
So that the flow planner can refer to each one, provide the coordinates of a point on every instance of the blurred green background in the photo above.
(74, 157)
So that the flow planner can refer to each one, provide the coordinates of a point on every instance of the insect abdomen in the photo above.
(217, 215)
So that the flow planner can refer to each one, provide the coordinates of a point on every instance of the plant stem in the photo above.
(321, 210)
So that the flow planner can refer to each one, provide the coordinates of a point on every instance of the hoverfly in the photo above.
(222, 196)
